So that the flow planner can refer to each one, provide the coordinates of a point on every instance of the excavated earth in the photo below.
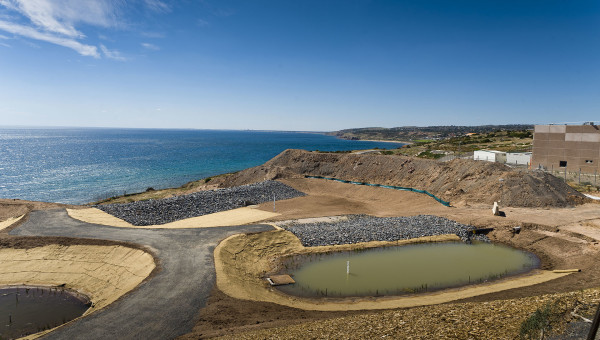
(563, 232)
(457, 181)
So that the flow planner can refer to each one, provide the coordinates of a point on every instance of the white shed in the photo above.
(490, 156)
(518, 158)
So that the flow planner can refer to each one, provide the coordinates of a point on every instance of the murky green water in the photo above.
(403, 269)
(27, 310)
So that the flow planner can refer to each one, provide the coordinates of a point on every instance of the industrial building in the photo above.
(571, 147)
(514, 158)
(490, 156)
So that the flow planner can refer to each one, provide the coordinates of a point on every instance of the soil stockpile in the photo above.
(161, 211)
(362, 228)
(459, 180)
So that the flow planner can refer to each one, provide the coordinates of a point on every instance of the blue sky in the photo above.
(298, 65)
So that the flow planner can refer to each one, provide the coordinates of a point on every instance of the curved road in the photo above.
(165, 306)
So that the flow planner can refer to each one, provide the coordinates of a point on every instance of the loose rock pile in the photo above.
(362, 228)
(161, 211)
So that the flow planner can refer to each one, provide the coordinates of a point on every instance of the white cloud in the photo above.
(149, 46)
(5, 45)
(202, 23)
(157, 5)
(4, 37)
(115, 55)
(60, 21)
(28, 32)
(61, 16)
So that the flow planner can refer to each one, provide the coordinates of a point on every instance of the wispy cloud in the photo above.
(112, 54)
(151, 47)
(5, 45)
(61, 16)
(60, 21)
(157, 6)
(4, 37)
(28, 32)
(202, 23)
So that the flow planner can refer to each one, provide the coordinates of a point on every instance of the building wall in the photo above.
(483, 155)
(577, 145)
(519, 158)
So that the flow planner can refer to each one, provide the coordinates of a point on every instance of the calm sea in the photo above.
(80, 165)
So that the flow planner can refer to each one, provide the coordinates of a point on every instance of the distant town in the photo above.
(413, 133)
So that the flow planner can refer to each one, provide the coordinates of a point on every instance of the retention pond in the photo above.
(28, 310)
(403, 269)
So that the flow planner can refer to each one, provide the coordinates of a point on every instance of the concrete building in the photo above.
(518, 158)
(490, 156)
(572, 147)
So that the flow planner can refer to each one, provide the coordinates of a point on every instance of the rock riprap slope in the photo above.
(161, 211)
(363, 228)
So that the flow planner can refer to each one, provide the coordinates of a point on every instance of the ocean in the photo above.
(81, 165)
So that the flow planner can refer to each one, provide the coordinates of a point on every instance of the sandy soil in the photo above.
(13, 211)
(456, 181)
(103, 273)
(564, 238)
(240, 216)
(10, 221)
(499, 319)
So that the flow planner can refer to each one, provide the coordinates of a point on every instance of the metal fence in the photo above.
(573, 175)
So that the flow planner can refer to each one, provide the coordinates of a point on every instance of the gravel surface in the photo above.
(362, 228)
(161, 211)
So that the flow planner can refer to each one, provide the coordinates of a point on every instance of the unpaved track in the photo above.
(163, 307)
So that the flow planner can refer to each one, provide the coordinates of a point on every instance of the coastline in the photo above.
(385, 141)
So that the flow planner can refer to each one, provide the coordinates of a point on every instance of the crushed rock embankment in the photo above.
(363, 228)
(161, 211)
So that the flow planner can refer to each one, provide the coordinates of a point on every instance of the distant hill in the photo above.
(412, 133)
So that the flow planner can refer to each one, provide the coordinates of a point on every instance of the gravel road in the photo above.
(363, 228)
(161, 211)
(165, 306)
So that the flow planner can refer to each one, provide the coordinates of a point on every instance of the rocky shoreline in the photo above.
(161, 211)
(363, 228)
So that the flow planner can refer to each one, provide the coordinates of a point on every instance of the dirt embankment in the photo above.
(459, 181)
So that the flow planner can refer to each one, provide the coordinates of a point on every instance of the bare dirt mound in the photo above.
(455, 181)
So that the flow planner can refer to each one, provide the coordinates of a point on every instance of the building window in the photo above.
(562, 164)
(589, 161)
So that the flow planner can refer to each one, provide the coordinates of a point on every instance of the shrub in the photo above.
(539, 324)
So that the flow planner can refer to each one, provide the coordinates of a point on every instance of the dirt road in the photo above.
(164, 307)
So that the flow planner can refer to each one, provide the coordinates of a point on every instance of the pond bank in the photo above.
(243, 261)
